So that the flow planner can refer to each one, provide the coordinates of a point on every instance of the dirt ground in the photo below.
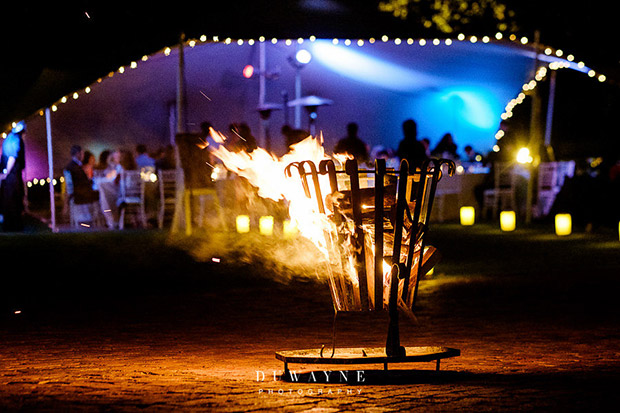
(133, 322)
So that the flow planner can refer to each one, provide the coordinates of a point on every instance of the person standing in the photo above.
(410, 148)
(12, 164)
(353, 145)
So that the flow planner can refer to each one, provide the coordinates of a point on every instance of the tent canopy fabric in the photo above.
(457, 87)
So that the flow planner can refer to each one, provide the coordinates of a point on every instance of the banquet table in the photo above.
(456, 191)
(108, 195)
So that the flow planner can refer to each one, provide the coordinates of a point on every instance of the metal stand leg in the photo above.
(333, 336)
(392, 346)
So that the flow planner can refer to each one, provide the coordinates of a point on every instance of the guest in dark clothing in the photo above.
(12, 192)
(243, 140)
(83, 192)
(446, 148)
(410, 148)
(293, 136)
(352, 144)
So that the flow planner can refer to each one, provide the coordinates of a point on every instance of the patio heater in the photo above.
(377, 250)
(311, 103)
(264, 110)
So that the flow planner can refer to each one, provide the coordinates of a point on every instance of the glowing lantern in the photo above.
(468, 215)
(523, 156)
(265, 225)
(507, 220)
(243, 224)
(248, 71)
(563, 224)
(289, 229)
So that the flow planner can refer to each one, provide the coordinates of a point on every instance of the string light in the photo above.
(527, 87)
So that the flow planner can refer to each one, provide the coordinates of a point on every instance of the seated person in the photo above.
(143, 159)
(83, 192)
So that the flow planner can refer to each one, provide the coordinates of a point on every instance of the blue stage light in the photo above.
(360, 66)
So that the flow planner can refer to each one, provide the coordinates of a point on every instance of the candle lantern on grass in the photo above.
(563, 224)
(507, 221)
(243, 224)
(265, 225)
(468, 215)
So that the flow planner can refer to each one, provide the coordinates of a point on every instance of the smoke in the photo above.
(274, 257)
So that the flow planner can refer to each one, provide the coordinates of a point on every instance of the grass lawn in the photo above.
(530, 268)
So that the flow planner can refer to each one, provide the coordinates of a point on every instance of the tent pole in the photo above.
(549, 120)
(50, 163)
(297, 92)
(261, 93)
(535, 136)
(178, 220)
(181, 100)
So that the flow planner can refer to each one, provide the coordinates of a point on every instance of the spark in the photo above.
(18, 311)
(202, 144)
(203, 94)
(87, 15)
(85, 225)
(237, 133)
(214, 259)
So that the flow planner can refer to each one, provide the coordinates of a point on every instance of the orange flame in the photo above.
(265, 171)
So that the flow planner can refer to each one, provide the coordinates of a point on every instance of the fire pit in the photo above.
(374, 238)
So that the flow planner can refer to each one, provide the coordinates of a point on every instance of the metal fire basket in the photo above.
(380, 218)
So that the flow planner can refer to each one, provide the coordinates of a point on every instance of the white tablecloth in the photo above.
(458, 191)
(108, 195)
